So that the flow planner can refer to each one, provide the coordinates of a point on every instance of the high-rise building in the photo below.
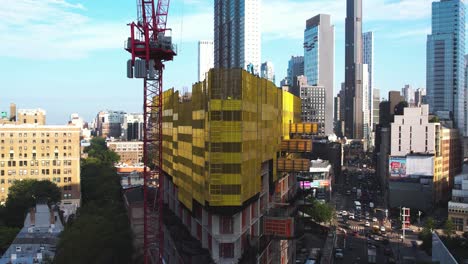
(295, 68)
(364, 108)
(224, 203)
(32, 151)
(237, 34)
(354, 119)
(408, 94)
(109, 123)
(376, 107)
(368, 58)
(313, 102)
(419, 97)
(319, 56)
(205, 58)
(445, 61)
(424, 159)
(132, 127)
(267, 71)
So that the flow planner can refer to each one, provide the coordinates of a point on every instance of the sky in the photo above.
(67, 56)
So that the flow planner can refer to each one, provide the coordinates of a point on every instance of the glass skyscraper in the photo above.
(237, 36)
(445, 62)
(319, 55)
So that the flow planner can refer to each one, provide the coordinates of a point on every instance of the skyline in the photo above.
(77, 59)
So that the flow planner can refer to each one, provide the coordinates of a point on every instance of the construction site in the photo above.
(229, 167)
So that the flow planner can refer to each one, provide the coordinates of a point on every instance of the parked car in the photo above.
(367, 224)
(374, 219)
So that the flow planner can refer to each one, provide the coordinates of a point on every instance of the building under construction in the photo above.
(225, 166)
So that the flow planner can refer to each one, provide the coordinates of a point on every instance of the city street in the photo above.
(363, 226)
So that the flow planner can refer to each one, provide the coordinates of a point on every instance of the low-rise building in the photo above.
(458, 206)
(37, 240)
(130, 152)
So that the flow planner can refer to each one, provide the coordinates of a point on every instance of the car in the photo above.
(351, 216)
(348, 192)
(382, 229)
(374, 219)
(344, 213)
(339, 253)
(371, 246)
(367, 224)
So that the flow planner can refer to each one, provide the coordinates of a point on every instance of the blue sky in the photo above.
(67, 56)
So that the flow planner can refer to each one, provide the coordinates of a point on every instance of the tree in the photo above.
(7, 235)
(399, 108)
(449, 228)
(430, 224)
(320, 212)
(98, 150)
(26, 194)
(100, 232)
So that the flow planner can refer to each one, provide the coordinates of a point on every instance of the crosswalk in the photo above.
(357, 228)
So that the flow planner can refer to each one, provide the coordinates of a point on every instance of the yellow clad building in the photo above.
(220, 152)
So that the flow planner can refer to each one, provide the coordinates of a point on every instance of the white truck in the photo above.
(371, 255)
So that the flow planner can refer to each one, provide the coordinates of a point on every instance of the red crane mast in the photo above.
(150, 48)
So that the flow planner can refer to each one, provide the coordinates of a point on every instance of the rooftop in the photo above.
(37, 239)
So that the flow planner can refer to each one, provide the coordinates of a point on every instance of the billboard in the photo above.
(397, 167)
(314, 184)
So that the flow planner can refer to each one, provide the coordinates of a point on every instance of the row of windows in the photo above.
(43, 155)
(55, 179)
(24, 163)
(42, 141)
(36, 134)
(35, 172)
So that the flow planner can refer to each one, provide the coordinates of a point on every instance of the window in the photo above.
(226, 225)
(226, 250)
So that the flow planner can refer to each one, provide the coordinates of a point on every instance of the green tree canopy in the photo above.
(449, 228)
(7, 235)
(24, 195)
(320, 212)
(99, 151)
(100, 233)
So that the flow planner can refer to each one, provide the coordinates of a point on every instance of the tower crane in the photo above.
(150, 46)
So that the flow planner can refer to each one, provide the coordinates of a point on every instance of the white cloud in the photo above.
(54, 29)
(60, 29)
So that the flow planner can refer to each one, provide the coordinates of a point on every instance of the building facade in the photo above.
(31, 116)
(205, 58)
(267, 71)
(130, 152)
(319, 56)
(220, 155)
(420, 97)
(445, 61)
(109, 123)
(375, 108)
(368, 58)
(43, 153)
(354, 120)
(413, 135)
(295, 68)
(132, 127)
(458, 206)
(313, 102)
(237, 34)
(408, 93)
